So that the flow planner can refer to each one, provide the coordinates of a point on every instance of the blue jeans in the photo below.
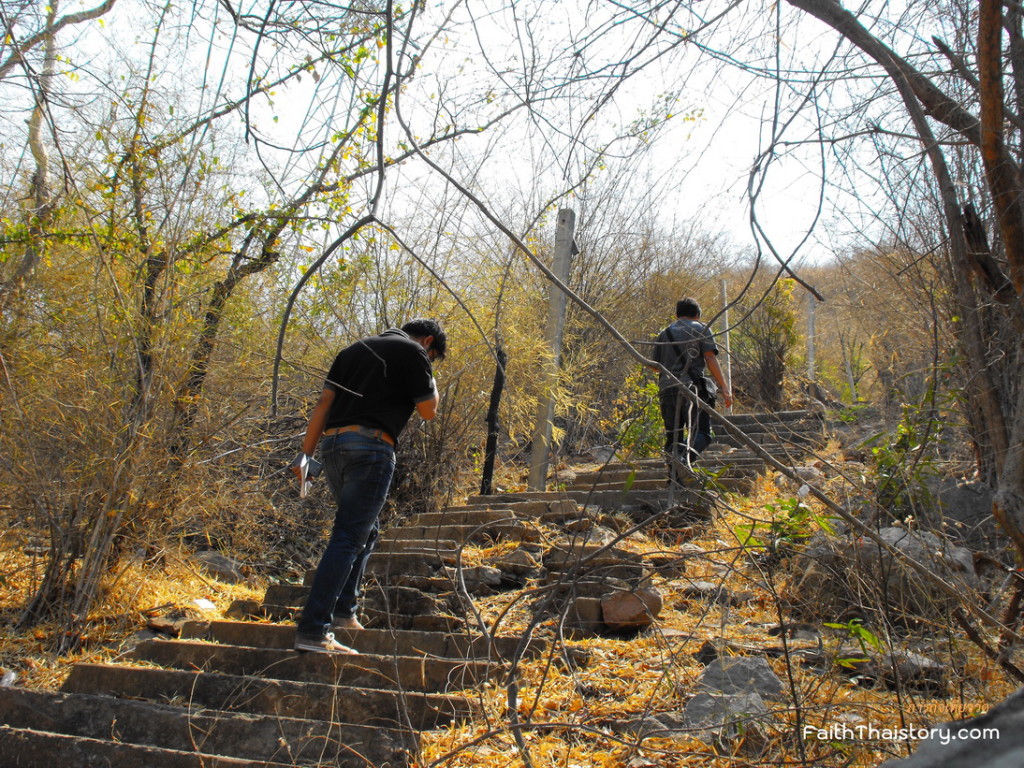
(359, 471)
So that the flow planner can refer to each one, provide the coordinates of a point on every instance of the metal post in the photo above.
(541, 449)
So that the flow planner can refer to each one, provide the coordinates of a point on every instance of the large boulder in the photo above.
(964, 511)
(837, 575)
(992, 740)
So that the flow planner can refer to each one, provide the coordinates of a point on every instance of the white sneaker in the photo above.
(325, 644)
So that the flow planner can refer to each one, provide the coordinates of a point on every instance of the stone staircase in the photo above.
(233, 692)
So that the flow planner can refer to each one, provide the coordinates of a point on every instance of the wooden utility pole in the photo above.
(541, 449)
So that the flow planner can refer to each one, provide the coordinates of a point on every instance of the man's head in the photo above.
(688, 308)
(423, 330)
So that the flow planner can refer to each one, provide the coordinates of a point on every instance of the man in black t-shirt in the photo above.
(686, 348)
(372, 389)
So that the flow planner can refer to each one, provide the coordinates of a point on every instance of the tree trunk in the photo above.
(493, 424)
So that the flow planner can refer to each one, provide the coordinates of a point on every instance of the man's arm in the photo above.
(427, 409)
(716, 373)
(317, 422)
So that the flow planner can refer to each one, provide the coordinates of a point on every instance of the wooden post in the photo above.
(541, 449)
(727, 370)
(811, 301)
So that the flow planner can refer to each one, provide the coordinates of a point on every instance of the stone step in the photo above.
(435, 621)
(283, 698)
(398, 642)
(777, 417)
(252, 737)
(700, 502)
(509, 530)
(397, 599)
(457, 516)
(369, 670)
(522, 508)
(446, 549)
(730, 484)
(385, 565)
(648, 469)
(23, 748)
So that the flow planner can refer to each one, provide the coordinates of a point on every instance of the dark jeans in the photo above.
(359, 471)
(687, 427)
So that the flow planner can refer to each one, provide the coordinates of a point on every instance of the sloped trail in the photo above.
(233, 692)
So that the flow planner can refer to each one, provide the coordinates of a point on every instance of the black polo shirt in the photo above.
(378, 381)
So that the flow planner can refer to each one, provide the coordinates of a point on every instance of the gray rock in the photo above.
(723, 713)
(811, 475)
(602, 453)
(219, 566)
(992, 740)
(712, 718)
(705, 590)
(478, 576)
(518, 561)
(741, 675)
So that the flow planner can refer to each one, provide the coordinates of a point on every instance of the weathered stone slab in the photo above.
(286, 740)
(284, 698)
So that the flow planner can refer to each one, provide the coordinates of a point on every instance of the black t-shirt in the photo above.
(377, 382)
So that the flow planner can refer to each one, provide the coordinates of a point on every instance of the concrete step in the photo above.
(250, 737)
(23, 748)
(369, 670)
(283, 698)
(459, 645)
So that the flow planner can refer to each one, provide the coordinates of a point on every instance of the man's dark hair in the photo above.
(421, 328)
(687, 308)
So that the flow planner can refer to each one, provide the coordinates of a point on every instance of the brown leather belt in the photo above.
(380, 434)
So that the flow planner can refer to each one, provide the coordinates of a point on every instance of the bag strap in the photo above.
(683, 351)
